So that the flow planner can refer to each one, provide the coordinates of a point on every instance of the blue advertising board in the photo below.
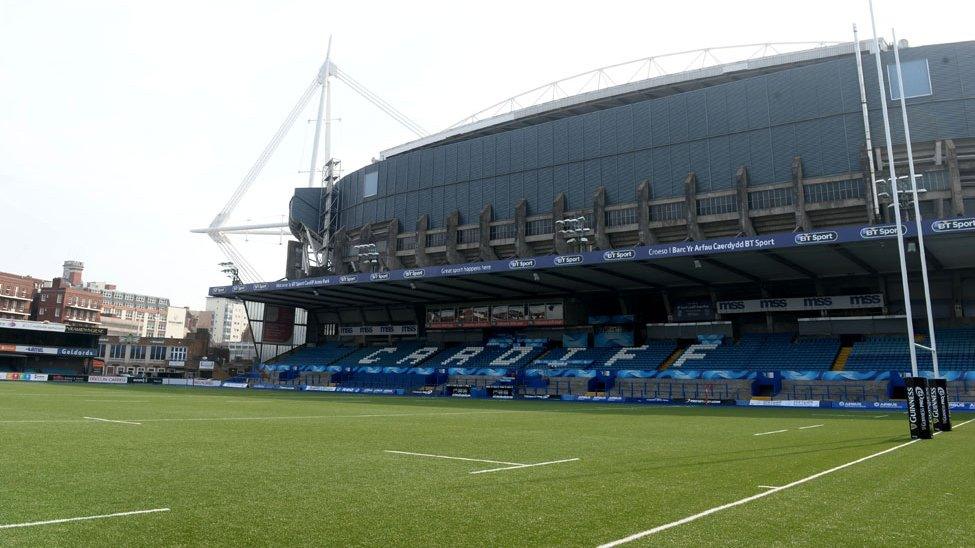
(781, 240)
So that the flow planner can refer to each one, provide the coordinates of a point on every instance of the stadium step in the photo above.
(840, 362)
(671, 359)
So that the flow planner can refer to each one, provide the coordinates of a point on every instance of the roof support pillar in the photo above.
(690, 193)
(644, 234)
(340, 242)
(453, 256)
(599, 218)
(421, 240)
(741, 185)
(484, 234)
(799, 195)
(521, 226)
(954, 179)
(392, 243)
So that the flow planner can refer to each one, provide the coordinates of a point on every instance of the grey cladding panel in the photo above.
(761, 122)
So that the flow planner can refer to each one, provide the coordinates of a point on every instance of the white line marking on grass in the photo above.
(716, 509)
(772, 432)
(808, 427)
(302, 417)
(523, 466)
(880, 416)
(452, 458)
(306, 417)
(767, 487)
(110, 420)
(84, 518)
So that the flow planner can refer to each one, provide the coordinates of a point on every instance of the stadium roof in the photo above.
(612, 95)
(823, 253)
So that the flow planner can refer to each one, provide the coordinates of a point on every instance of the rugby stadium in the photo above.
(662, 312)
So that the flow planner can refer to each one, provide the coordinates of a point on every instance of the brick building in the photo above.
(17, 295)
(154, 356)
(68, 304)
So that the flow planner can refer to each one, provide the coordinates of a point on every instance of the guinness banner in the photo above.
(918, 410)
(940, 409)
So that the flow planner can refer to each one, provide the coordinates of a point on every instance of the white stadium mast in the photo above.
(219, 229)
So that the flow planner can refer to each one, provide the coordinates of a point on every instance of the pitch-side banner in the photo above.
(279, 324)
(781, 240)
(835, 302)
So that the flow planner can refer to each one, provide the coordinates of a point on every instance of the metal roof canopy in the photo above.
(865, 258)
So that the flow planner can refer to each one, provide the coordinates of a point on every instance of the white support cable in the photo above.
(269, 149)
(378, 101)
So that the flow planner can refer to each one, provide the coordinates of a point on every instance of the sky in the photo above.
(123, 125)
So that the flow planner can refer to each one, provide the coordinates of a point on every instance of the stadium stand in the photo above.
(956, 351)
(493, 354)
(762, 352)
(308, 357)
(647, 357)
(400, 354)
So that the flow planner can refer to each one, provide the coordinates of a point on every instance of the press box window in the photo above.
(370, 184)
(917, 79)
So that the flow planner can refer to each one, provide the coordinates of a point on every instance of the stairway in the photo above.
(671, 359)
(840, 362)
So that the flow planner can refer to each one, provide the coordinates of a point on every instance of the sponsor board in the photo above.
(30, 377)
(67, 378)
(351, 331)
(32, 325)
(918, 407)
(834, 302)
(107, 379)
(233, 385)
(784, 403)
(566, 260)
(213, 383)
(885, 231)
(313, 388)
(177, 382)
(519, 264)
(206, 365)
(619, 255)
(820, 237)
(953, 225)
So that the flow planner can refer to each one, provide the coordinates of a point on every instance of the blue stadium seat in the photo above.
(769, 352)
(956, 351)
(647, 357)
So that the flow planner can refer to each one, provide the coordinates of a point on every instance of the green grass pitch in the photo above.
(238, 467)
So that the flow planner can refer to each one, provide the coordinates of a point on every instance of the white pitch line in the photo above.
(716, 509)
(767, 487)
(808, 427)
(110, 420)
(523, 466)
(772, 432)
(299, 417)
(880, 416)
(84, 518)
(452, 458)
